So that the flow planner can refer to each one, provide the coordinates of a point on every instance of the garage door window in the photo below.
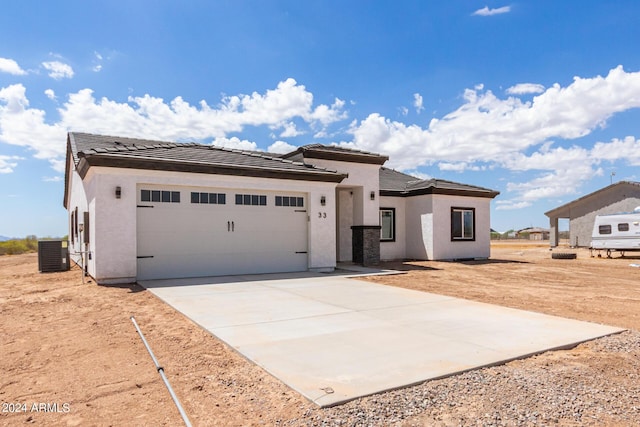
(162, 196)
(290, 201)
(209, 198)
(251, 199)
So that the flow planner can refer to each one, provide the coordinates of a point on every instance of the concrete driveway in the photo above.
(333, 339)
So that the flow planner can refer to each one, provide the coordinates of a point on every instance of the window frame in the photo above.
(605, 229)
(250, 199)
(159, 196)
(289, 201)
(462, 210)
(197, 198)
(393, 224)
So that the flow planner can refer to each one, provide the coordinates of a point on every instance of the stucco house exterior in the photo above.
(623, 196)
(142, 209)
(533, 233)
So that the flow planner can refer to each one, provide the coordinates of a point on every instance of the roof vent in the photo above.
(637, 209)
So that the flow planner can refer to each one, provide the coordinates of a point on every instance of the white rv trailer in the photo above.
(616, 232)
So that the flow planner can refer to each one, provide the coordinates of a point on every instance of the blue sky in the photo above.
(536, 99)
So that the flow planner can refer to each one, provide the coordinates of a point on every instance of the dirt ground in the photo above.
(70, 354)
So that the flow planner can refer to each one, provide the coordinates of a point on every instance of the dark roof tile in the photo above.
(394, 183)
(148, 154)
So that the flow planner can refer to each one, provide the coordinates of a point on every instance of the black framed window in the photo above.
(387, 224)
(463, 224)
(623, 226)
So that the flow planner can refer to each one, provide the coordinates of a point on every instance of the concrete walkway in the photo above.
(334, 339)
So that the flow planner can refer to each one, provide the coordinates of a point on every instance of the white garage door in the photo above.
(214, 232)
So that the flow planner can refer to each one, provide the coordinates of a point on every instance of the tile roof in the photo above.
(565, 210)
(334, 152)
(394, 183)
(101, 150)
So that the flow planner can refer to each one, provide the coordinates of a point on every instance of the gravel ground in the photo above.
(570, 387)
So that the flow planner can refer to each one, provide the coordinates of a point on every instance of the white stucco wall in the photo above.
(363, 178)
(113, 236)
(419, 227)
(77, 198)
(345, 221)
(398, 249)
(443, 247)
(424, 228)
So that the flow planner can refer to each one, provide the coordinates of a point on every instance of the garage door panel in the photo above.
(191, 240)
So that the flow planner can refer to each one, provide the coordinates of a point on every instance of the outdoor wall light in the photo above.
(323, 200)
(118, 192)
(373, 195)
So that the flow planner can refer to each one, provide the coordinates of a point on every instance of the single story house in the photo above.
(623, 196)
(142, 209)
(533, 233)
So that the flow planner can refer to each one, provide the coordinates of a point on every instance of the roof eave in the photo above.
(441, 191)
(353, 157)
(107, 160)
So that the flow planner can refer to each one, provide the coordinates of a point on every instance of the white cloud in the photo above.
(417, 102)
(24, 126)
(485, 11)
(419, 174)
(525, 88)
(57, 178)
(151, 117)
(7, 163)
(460, 167)
(404, 111)
(281, 147)
(511, 205)
(497, 131)
(10, 66)
(324, 114)
(50, 94)
(235, 143)
(627, 150)
(290, 130)
(485, 132)
(58, 70)
(97, 62)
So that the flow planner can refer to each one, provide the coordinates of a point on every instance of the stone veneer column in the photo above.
(365, 242)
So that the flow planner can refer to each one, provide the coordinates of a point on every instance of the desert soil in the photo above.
(70, 355)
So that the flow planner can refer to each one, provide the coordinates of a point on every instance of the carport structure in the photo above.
(623, 196)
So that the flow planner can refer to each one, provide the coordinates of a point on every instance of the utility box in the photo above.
(53, 255)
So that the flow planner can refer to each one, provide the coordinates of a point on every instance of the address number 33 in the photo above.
(322, 214)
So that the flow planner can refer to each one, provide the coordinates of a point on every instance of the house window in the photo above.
(387, 224)
(463, 221)
(251, 199)
(162, 196)
(623, 227)
(209, 198)
(290, 201)
(604, 229)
